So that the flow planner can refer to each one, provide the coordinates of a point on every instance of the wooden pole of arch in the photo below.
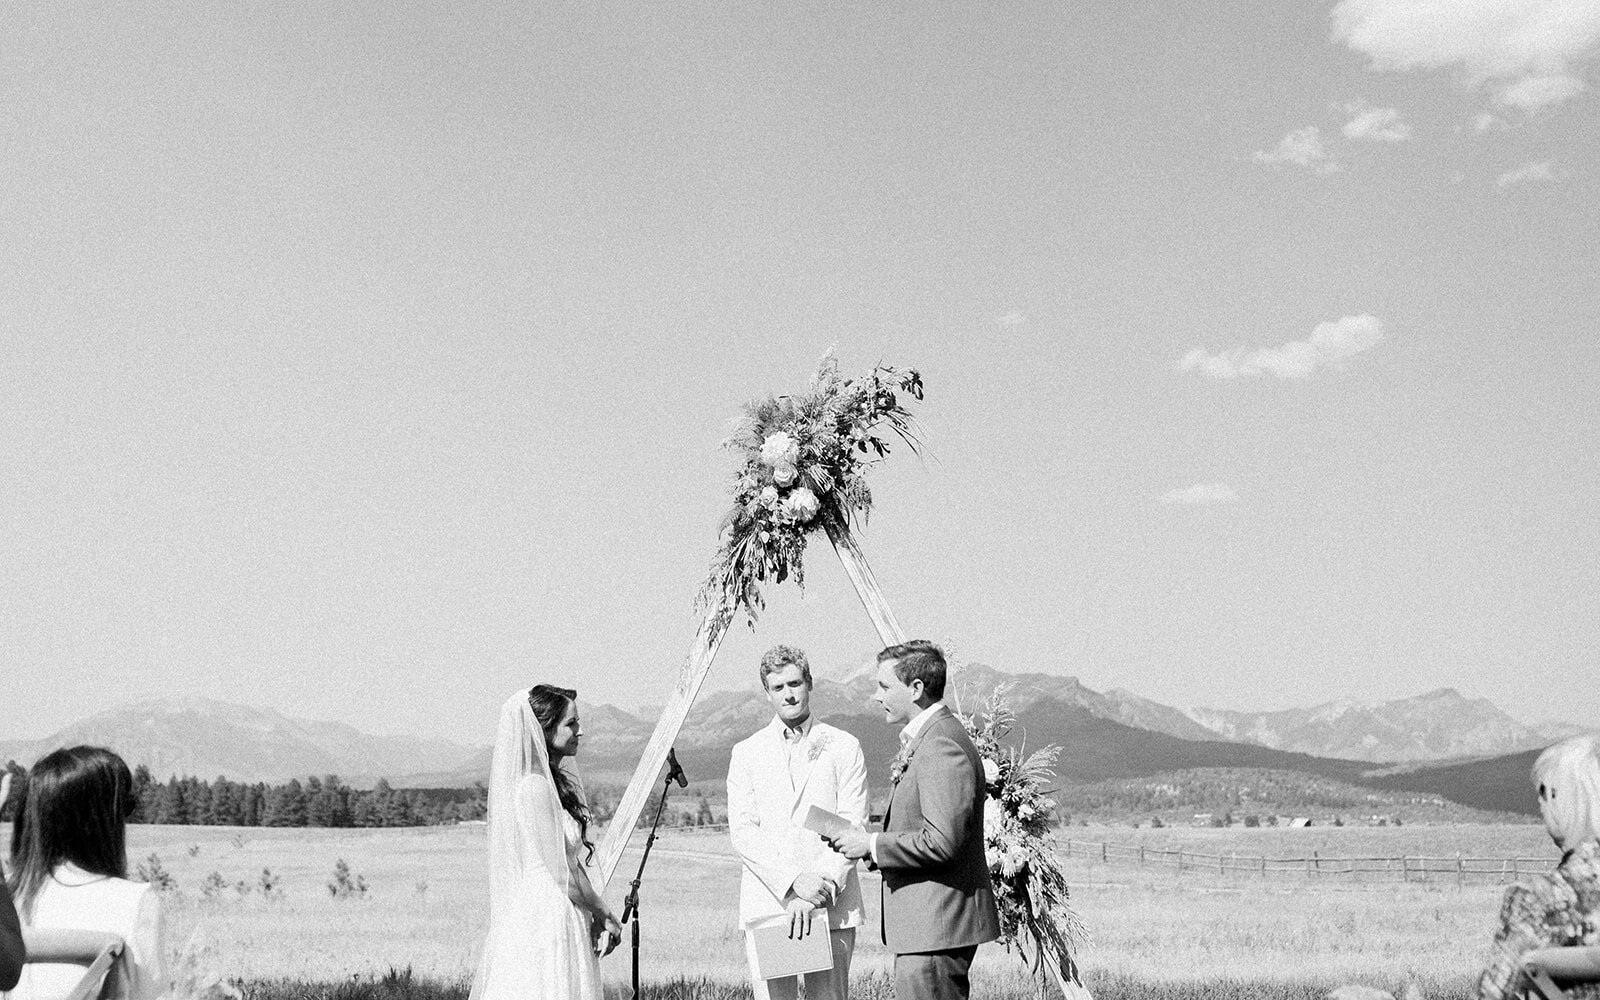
(637, 794)
(693, 674)
(860, 574)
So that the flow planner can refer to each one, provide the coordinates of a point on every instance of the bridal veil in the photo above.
(537, 945)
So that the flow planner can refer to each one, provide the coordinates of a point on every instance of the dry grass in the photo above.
(401, 985)
(1156, 932)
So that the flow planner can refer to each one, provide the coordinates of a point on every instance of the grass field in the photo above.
(1155, 932)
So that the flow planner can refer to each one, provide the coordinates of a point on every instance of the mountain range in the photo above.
(1439, 743)
(205, 738)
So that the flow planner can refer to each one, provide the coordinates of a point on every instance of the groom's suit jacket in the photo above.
(936, 889)
(766, 810)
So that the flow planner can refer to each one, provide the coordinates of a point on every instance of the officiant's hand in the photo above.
(810, 887)
(854, 843)
(800, 914)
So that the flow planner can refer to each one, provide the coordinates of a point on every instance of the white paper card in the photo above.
(828, 824)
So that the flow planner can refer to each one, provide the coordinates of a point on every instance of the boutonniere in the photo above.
(897, 767)
(819, 743)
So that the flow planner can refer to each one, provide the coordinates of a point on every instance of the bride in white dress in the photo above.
(547, 925)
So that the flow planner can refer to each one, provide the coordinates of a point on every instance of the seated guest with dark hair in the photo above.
(11, 954)
(69, 868)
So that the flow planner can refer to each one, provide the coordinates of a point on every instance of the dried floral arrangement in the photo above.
(1029, 886)
(804, 462)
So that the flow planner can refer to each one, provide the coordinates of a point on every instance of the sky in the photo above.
(370, 361)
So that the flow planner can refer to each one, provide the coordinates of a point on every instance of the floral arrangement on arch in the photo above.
(804, 462)
(1029, 886)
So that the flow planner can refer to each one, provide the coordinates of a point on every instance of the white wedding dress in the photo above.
(539, 946)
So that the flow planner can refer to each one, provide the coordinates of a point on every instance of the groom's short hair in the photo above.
(778, 657)
(918, 660)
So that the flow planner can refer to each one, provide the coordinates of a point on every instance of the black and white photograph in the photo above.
(872, 501)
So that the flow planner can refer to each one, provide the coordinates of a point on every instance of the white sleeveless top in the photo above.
(77, 900)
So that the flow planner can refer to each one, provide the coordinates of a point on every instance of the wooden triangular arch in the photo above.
(805, 458)
(804, 461)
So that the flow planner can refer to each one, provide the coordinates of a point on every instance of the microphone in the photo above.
(675, 770)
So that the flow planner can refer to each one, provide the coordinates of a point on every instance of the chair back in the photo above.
(96, 951)
(1552, 968)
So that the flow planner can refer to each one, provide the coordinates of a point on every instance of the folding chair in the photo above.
(1552, 968)
(96, 951)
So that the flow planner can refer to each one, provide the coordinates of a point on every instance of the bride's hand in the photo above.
(608, 936)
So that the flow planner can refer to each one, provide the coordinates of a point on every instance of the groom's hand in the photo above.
(800, 914)
(854, 843)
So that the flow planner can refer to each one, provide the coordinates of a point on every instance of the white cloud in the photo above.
(1302, 147)
(1201, 494)
(1329, 345)
(1536, 171)
(1525, 52)
(1381, 124)
(1483, 121)
(1010, 319)
(1533, 92)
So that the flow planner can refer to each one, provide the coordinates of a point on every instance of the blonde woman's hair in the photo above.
(1568, 775)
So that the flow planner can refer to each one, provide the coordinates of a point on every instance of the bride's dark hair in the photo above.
(549, 706)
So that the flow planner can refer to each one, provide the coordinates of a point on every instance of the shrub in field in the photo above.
(343, 885)
(213, 885)
(150, 870)
(269, 884)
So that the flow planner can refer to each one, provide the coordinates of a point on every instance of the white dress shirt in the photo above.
(909, 733)
(796, 742)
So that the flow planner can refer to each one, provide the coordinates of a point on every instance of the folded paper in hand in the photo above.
(778, 954)
(828, 824)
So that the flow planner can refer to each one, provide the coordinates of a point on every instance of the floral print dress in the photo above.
(1555, 910)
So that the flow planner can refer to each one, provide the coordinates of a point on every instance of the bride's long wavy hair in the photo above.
(549, 704)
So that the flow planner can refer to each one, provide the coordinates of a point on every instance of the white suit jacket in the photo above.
(766, 810)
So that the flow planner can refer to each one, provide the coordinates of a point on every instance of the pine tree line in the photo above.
(317, 802)
(325, 801)
(329, 802)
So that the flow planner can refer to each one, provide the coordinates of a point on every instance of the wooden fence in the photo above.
(1458, 869)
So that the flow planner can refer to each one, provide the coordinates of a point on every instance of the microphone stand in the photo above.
(630, 906)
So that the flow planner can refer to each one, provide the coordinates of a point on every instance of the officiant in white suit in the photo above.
(774, 778)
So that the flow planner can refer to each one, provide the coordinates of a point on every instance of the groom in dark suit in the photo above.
(938, 902)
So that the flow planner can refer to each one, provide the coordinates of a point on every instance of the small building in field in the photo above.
(1299, 822)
